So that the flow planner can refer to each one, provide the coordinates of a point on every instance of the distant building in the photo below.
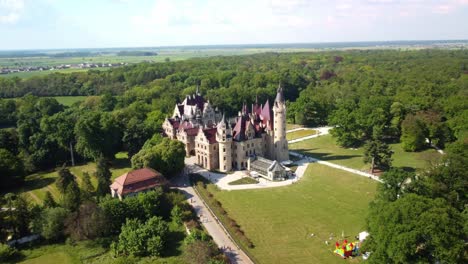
(225, 146)
(136, 181)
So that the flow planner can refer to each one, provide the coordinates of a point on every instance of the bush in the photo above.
(7, 253)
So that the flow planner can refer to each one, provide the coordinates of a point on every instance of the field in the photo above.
(280, 221)
(325, 148)
(300, 134)
(41, 73)
(38, 184)
(69, 100)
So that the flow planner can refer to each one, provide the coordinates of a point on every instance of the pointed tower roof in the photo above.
(222, 123)
(279, 95)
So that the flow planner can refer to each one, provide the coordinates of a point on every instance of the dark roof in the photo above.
(210, 134)
(175, 123)
(197, 100)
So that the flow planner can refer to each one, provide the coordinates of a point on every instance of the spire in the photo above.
(198, 90)
(279, 95)
(256, 99)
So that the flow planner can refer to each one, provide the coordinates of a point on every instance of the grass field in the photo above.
(41, 73)
(38, 184)
(279, 221)
(300, 134)
(245, 180)
(292, 126)
(325, 148)
(69, 100)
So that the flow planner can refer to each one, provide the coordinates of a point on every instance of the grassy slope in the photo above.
(279, 221)
(300, 134)
(325, 148)
(38, 184)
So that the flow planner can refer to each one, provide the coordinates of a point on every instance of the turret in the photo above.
(281, 152)
(223, 136)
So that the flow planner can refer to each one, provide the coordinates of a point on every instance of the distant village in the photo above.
(61, 67)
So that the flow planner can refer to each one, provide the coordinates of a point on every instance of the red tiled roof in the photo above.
(138, 180)
(191, 131)
(175, 123)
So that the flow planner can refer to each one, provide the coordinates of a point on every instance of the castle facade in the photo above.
(225, 145)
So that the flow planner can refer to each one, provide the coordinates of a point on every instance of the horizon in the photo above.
(243, 45)
(55, 24)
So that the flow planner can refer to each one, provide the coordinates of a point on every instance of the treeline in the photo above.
(42, 134)
(136, 53)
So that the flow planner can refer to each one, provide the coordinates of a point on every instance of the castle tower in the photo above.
(281, 152)
(224, 138)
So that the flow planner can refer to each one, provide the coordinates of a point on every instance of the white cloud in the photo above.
(10, 11)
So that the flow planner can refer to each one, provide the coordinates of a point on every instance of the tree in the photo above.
(151, 202)
(59, 128)
(72, 197)
(107, 102)
(135, 135)
(115, 213)
(414, 229)
(65, 178)
(413, 137)
(51, 223)
(88, 222)
(395, 182)
(199, 252)
(166, 157)
(98, 134)
(448, 179)
(87, 188)
(103, 175)
(19, 214)
(49, 201)
(7, 253)
(378, 153)
(11, 169)
(137, 239)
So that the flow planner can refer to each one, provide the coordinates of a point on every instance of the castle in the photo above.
(258, 135)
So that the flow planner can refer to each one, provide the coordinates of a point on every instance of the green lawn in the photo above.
(245, 180)
(279, 221)
(69, 100)
(300, 134)
(325, 148)
(292, 126)
(38, 184)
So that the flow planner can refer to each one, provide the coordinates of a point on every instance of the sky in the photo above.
(55, 24)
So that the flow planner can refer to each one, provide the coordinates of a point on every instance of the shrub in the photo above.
(7, 253)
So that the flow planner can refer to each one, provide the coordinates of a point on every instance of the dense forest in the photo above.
(394, 95)
(371, 97)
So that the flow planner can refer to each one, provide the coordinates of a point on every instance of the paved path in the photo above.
(320, 132)
(210, 222)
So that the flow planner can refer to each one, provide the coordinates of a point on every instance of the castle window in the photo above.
(224, 158)
(224, 149)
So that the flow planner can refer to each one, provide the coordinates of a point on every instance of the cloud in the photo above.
(10, 11)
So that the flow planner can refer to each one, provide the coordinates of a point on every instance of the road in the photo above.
(209, 221)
